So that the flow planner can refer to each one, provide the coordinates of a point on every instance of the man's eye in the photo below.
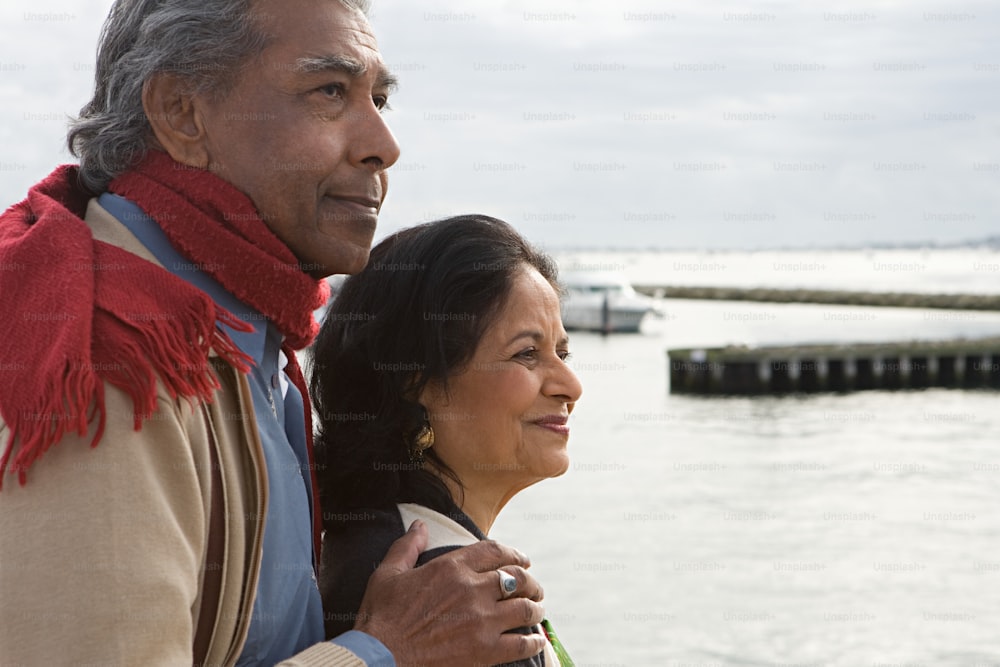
(332, 90)
(565, 355)
(381, 102)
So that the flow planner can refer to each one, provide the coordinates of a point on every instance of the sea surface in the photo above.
(858, 529)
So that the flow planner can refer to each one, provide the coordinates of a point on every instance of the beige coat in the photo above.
(102, 553)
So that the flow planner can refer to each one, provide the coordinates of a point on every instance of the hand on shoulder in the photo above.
(451, 610)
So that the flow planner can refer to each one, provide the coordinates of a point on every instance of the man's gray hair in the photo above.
(203, 42)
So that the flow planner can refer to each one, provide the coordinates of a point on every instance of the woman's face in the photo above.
(503, 425)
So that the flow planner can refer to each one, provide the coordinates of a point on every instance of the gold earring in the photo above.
(423, 441)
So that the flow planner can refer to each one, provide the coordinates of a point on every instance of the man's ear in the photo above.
(175, 117)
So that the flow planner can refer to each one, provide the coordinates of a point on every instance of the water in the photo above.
(855, 529)
(955, 270)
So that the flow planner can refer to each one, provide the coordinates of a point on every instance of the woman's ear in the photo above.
(433, 397)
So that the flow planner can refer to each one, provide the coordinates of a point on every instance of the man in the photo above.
(157, 503)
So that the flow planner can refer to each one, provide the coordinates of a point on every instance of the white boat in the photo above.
(602, 302)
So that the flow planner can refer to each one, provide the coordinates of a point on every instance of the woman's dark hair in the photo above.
(414, 315)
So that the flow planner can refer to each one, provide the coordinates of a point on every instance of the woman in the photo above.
(441, 382)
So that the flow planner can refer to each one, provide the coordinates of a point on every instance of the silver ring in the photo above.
(508, 584)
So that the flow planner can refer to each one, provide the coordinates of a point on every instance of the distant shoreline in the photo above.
(826, 297)
(991, 243)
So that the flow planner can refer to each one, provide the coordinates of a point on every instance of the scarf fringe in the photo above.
(179, 356)
(225, 347)
(75, 398)
(67, 405)
(58, 388)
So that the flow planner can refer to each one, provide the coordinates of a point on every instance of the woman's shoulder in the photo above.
(446, 531)
(356, 541)
(359, 538)
(354, 545)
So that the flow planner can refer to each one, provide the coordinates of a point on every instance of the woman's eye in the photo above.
(529, 354)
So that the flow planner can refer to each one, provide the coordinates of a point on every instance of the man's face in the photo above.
(302, 135)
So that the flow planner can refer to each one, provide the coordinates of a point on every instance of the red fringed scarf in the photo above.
(79, 312)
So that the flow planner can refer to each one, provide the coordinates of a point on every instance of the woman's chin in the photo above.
(559, 469)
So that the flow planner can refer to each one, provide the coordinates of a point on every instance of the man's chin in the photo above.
(347, 263)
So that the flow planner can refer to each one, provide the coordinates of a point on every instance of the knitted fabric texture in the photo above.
(79, 312)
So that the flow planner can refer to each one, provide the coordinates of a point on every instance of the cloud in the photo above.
(713, 124)
(670, 124)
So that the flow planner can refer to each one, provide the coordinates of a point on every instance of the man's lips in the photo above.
(361, 201)
(362, 204)
(356, 208)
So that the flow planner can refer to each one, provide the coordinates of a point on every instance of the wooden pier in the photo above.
(837, 368)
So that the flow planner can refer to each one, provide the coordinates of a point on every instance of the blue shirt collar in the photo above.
(150, 234)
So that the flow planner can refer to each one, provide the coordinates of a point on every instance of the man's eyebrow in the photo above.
(350, 66)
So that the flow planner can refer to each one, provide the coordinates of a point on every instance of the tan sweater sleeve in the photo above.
(101, 550)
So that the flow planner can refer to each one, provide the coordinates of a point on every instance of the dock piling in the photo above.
(814, 368)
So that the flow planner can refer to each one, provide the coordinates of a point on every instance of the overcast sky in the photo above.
(674, 124)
